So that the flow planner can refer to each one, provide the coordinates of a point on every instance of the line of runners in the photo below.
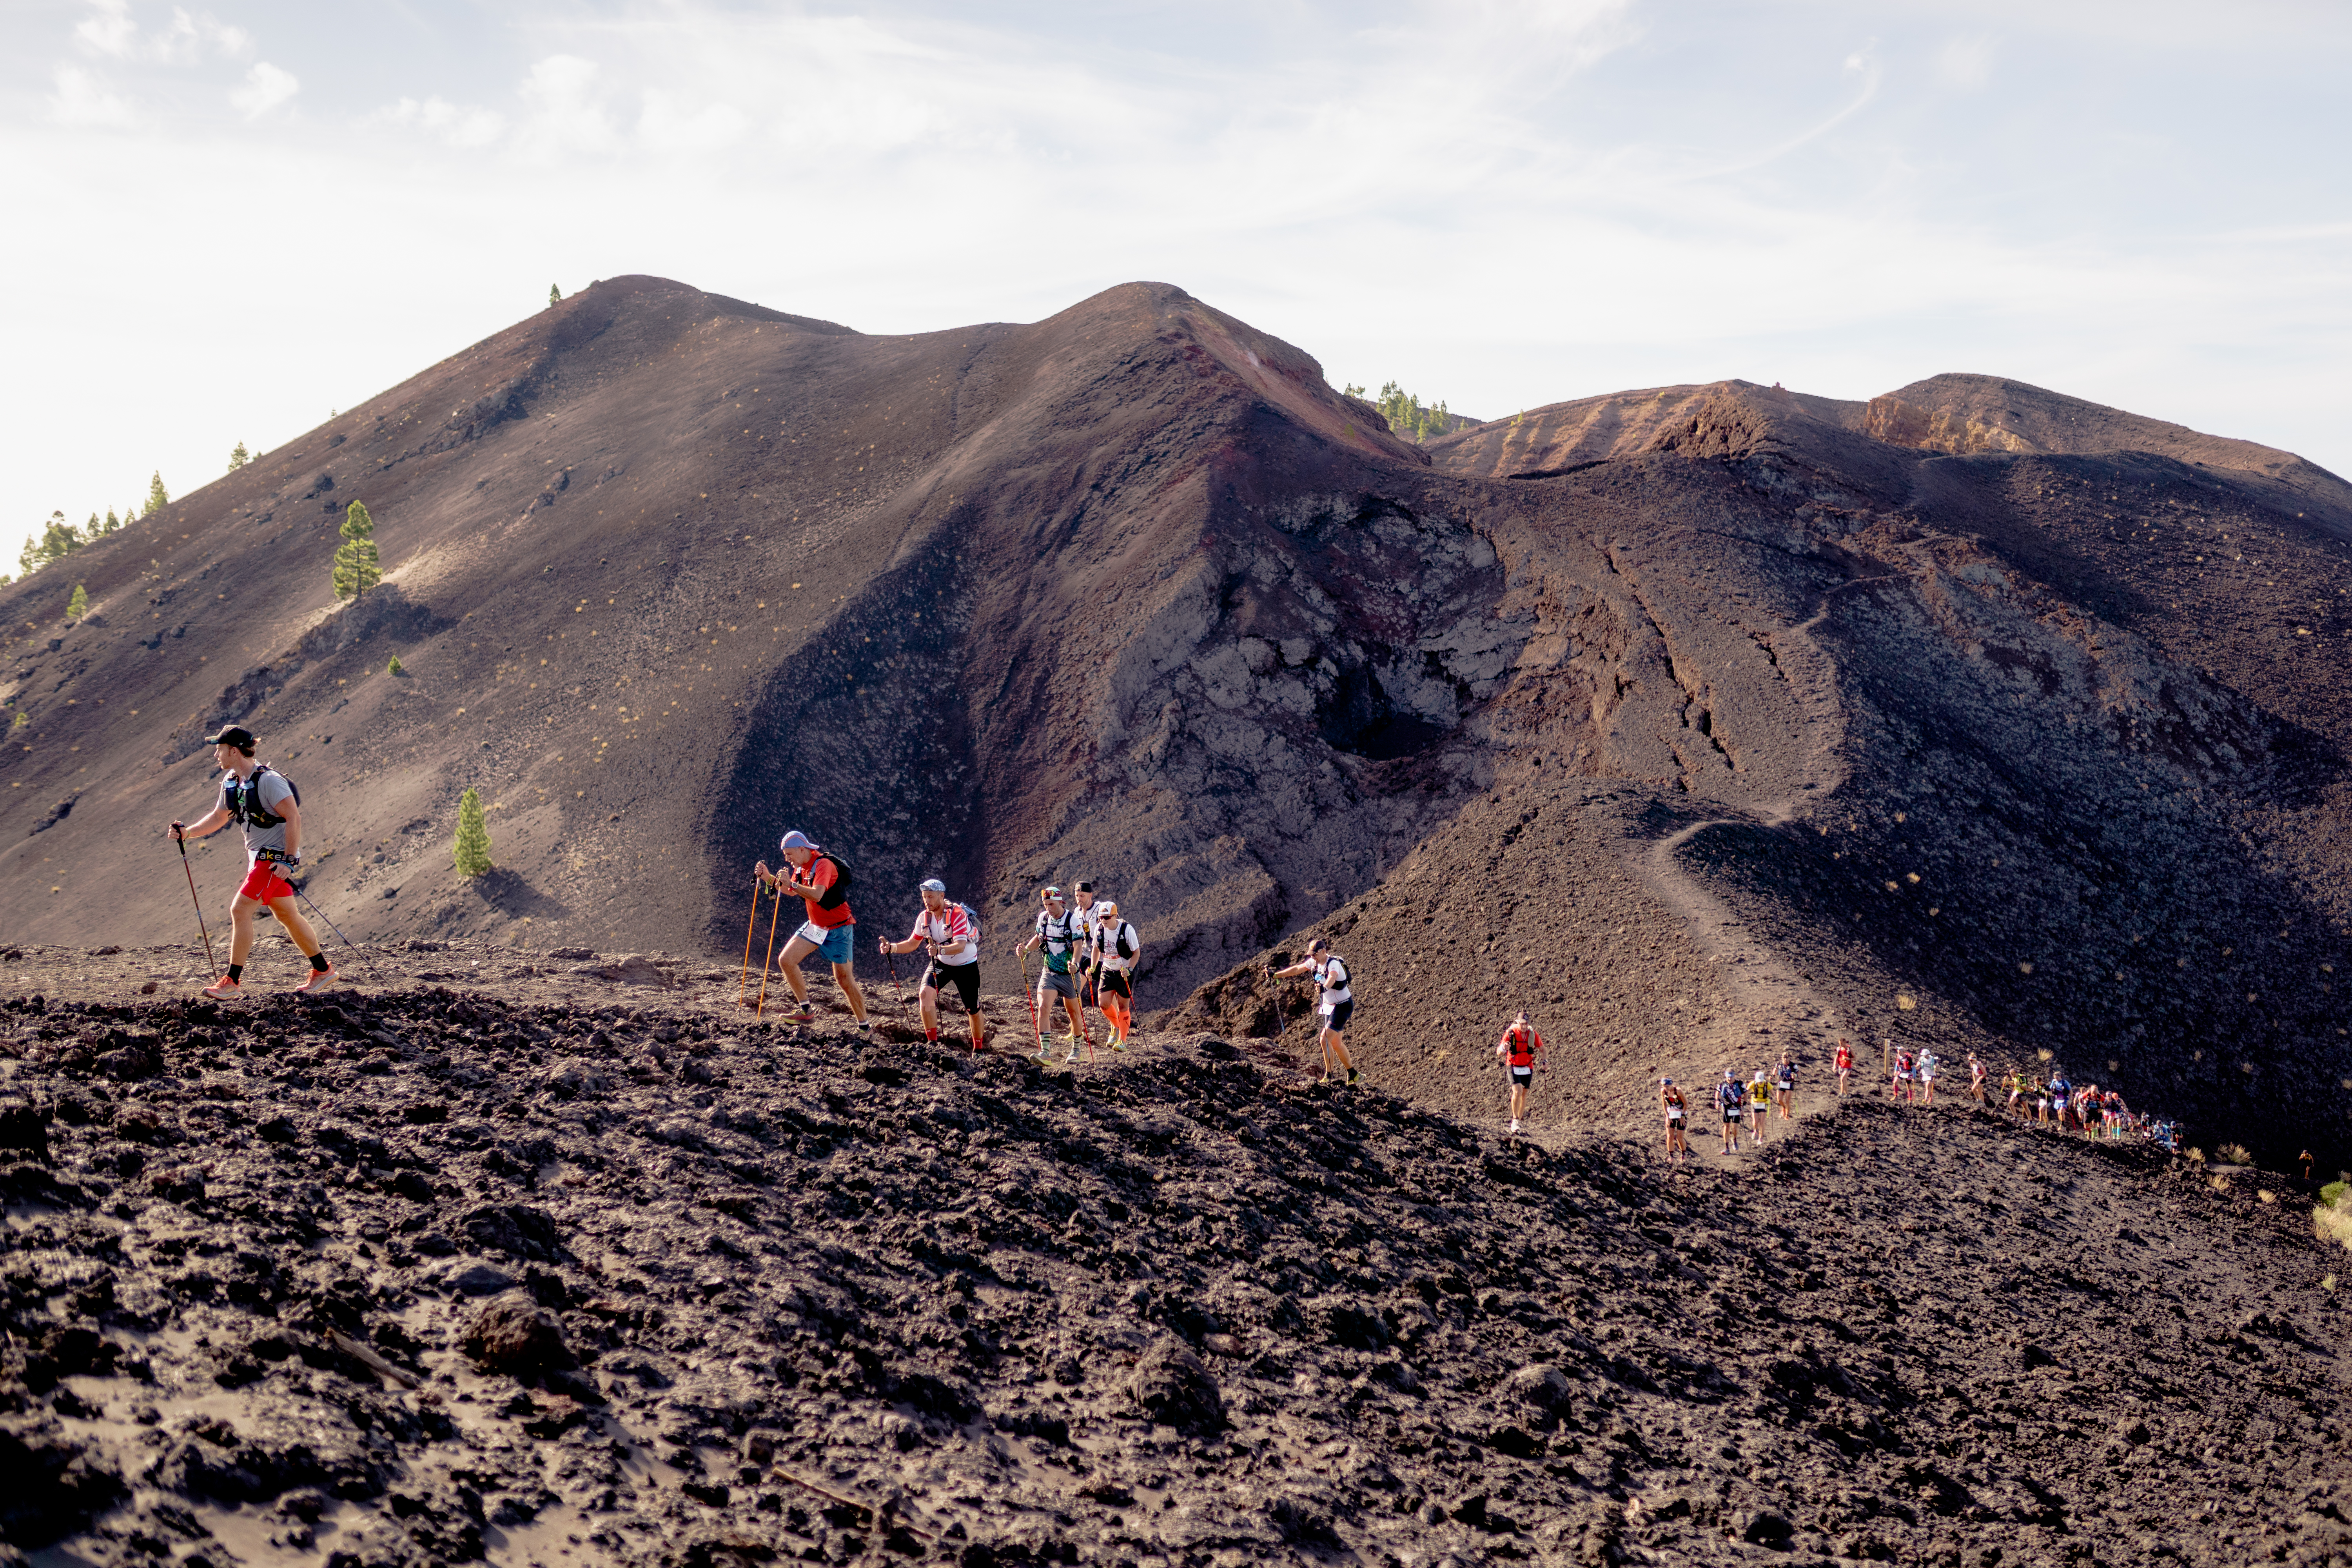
(1912, 1077)
(1088, 953)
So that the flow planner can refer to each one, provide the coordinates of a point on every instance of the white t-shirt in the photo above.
(950, 932)
(1113, 935)
(1331, 974)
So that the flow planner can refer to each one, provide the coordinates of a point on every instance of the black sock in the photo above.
(237, 972)
(319, 961)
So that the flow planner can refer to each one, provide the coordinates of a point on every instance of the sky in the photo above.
(226, 220)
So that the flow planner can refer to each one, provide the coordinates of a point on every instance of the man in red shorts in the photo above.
(821, 879)
(258, 797)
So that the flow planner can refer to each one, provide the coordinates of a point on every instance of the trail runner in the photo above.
(821, 880)
(1517, 1051)
(1088, 919)
(1731, 1099)
(257, 798)
(1116, 948)
(1338, 1002)
(1784, 1088)
(955, 959)
(1976, 1078)
(1058, 932)
(1677, 1111)
(1928, 1063)
(1844, 1065)
(1759, 1104)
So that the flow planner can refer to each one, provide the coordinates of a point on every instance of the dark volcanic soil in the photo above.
(1706, 720)
(536, 1269)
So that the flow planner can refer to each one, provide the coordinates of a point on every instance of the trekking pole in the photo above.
(891, 960)
(304, 894)
(182, 839)
(1037, 1025)
(761, 1009)
(743, 987)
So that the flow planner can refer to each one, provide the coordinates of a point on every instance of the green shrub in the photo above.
(2333, 1192)
(391, 666)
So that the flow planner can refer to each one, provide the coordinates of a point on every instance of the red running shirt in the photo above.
(1522, 1045)
(825, 872)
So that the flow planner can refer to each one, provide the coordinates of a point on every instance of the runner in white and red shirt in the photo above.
(954, 936)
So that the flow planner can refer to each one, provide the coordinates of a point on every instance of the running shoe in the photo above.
(802, 1015)
(1071, 1060)
(1513, 1127)
(1119, 1042)
(1353, 1075)
(321, 980)
(224, 987)
(864, 1027)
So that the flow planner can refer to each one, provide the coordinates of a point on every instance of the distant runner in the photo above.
(1731, 1099)
(257, 798)
(1844, 1065)
(1784, 1088)
(1677, 1110)
(1117, 947)
(1516, 1051)
(1759, 1104)
(1056, 930)
(954, 939)
(1926, 1071)
(1899, 1086)
(821, 879)
(1337, 1004)
(1087, 918)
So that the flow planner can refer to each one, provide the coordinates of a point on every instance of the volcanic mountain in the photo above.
(1705, 721)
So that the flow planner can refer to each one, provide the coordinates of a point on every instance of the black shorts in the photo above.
(964, 977)
(1117, 983)
(1523, 1075)
(1340, 1013)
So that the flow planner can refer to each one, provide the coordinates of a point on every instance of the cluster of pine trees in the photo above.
(1409, 417)
(59, 538)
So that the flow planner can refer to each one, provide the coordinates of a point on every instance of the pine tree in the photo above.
(355, 562)
(239, 457)
(157, 497)
(554, 295)
(79, 606)
(473, 845)
(90, 529)
(112, 521)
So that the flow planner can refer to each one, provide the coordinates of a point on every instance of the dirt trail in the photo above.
(1772, 1005)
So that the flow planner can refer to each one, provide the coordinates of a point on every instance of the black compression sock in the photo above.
(237, 972)
(319, 961)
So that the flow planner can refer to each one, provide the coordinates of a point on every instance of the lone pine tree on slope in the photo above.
(355, 561)
(473, 845)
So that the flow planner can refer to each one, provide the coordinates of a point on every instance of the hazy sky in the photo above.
(225, 220)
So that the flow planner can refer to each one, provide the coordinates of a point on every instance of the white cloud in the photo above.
(82, 101)
(460, 125)
(669, 124)
(564, 109)
(265, 88)
(112, 32)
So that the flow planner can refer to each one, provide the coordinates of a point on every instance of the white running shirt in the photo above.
(951, 933)
(1331, 974)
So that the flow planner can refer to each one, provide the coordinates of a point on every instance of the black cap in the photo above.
(235, 735)
(1086, 887)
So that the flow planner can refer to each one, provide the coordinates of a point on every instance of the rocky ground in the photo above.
(583, 1264)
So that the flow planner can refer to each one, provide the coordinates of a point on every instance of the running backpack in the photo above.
(244, 801)
(832, 898)
(971, 918)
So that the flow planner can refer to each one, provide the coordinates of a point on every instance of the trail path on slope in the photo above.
(1773, 1006)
